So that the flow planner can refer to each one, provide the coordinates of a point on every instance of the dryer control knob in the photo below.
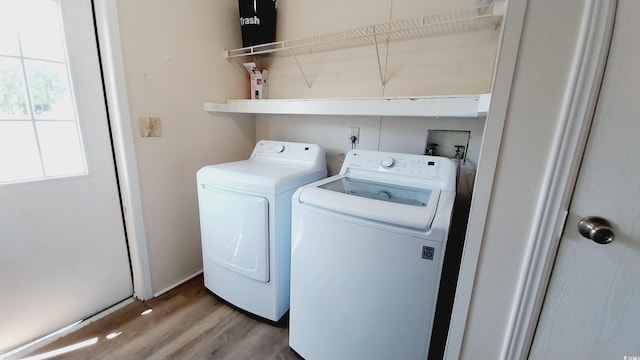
(387, 162)
(278, 148)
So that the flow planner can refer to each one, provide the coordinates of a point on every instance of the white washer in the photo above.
(367, 252)
(245, 222)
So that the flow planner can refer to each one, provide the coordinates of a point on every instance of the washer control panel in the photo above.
(422, 166)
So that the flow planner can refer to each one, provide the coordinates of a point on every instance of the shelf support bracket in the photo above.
(375, 40)
(300, 68)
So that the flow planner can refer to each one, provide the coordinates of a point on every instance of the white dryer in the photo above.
(245, 222)
(367, 252)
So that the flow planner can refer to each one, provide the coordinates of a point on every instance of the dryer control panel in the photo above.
(292, 153)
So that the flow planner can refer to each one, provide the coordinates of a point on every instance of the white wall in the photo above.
(454, 64)
(173, 63)
(545, 56)
(393, 134)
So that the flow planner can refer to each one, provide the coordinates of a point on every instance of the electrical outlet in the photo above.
(150, 126)
(355, 132)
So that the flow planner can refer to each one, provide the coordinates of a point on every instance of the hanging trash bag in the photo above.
(257, 21)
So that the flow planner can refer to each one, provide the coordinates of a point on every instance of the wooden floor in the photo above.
(186, 323)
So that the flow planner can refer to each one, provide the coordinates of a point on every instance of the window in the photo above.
(39, 133)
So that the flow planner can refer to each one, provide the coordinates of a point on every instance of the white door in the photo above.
(63, 252)
(592, 306)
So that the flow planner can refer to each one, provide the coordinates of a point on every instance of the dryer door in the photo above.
(235, 231)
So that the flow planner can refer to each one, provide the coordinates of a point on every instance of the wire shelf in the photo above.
(454, 22)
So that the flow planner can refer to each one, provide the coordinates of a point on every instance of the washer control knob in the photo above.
(387, 162)
(278, 148)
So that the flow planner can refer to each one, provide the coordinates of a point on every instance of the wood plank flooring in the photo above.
(186, 323)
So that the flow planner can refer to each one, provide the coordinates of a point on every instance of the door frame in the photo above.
(560, 174)
(106, 18)
(578, 108)
(503, 75)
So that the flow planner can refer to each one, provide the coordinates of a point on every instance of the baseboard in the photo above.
(178, 283)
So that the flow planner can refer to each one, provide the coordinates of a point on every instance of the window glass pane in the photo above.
(49, 90)
(60, 147)
(39, 134)
(40, 30)
(13, 99)
(8, 32)
(19, 158)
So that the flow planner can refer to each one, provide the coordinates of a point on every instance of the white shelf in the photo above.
(465, 106)
(447, 23)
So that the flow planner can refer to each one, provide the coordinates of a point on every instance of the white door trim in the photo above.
(120, 119)
(503, 74)
(560, 178)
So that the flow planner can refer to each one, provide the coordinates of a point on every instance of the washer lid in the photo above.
(389, 203)
(258, 176)
(380, 191)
